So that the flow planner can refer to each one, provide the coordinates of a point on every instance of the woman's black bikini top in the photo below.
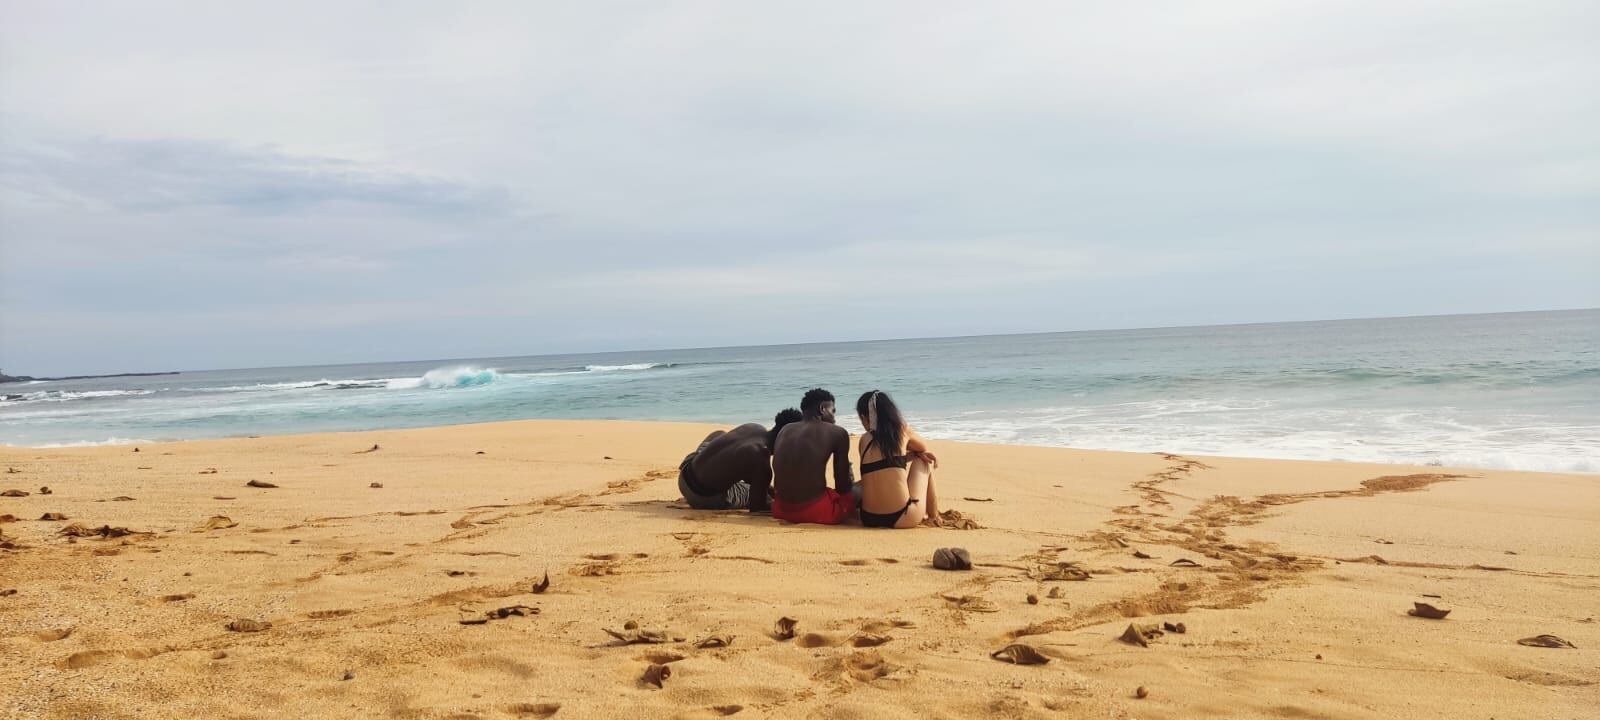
(898, 461)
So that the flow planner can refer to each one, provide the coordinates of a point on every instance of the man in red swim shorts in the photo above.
(800, 459)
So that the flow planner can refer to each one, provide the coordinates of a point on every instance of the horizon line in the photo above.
(890, 339)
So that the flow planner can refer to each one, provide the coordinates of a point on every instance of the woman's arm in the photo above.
(916, 447)
(914, 443)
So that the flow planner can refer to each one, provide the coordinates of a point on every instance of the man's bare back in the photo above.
(802, 454)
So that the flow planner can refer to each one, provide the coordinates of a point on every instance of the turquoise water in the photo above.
(1518, 390)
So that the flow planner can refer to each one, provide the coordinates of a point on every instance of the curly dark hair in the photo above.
(811, 404)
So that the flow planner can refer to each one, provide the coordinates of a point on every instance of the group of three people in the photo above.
(784, 470)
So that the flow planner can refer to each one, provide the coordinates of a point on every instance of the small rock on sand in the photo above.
(952, 559)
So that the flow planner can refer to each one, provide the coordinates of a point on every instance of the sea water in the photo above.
(1516, 390)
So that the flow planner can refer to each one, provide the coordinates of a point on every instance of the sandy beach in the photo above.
(1292, 581)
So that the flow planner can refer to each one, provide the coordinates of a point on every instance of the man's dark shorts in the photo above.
(736, 498)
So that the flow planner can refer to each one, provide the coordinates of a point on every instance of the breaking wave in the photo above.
(65, 395)
(446, 377)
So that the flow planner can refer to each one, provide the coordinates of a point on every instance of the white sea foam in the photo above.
(1323, 434)
(630, 366)
(94, 443)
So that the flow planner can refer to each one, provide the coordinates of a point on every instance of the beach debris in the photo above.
(78, 530)
(1142, 555)
(375, 485)
(1140, 635)
(866, 639)
(1382, 541)
(372, 449)
(656, 675)
(971, 603)
(955, 520)
(973, 499)
(208, 471)
(1140, 692)
(122, 498)
(474, 621)
(510, 610)
(14, 493)
(219, 654)
(176, 598)
(594, 569)
(1547, 641)
(136, 449)
(1061, 572)
(223, 497)
(542, 585)
(1033, 599)
(632, 634)
(714, 641)
(662, 657)
(12, 471)
(46, 491)
(1184, 562)
(53, 635)
(952, 559)
(1019, 654)
(1178, 628)
(8, 517)
(480, 452)
(8, 592)
(217, 522)
(52, 517)
(259, 484)
(349, 675)
(1424, 610)
(784, 628)
(1056, 593)
(246, 625)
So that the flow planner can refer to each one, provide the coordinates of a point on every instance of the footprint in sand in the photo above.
(866, 666)
(89, 658)
(816, 640)
(533, 710)
(860, 563)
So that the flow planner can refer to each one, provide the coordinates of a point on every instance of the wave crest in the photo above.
(447, 377)
(630, 366)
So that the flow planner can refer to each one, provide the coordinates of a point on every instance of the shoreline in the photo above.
(119, 442)
(1292, 579)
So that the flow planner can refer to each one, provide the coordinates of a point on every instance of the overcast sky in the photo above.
(198, 185)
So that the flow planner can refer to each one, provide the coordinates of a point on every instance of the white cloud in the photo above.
(674, 175)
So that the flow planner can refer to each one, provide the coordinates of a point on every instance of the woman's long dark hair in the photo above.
(887, 425)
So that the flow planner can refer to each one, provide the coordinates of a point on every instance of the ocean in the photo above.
(1515, 390)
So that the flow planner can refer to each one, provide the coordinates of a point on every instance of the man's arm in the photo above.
(760, 484)
(843, 478)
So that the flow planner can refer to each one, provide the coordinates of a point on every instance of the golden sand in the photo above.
(1292, 581)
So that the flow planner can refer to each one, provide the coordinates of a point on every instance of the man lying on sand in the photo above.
(800, 463)
(718, 475)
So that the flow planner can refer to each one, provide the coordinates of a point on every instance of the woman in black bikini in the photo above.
(896, 468)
